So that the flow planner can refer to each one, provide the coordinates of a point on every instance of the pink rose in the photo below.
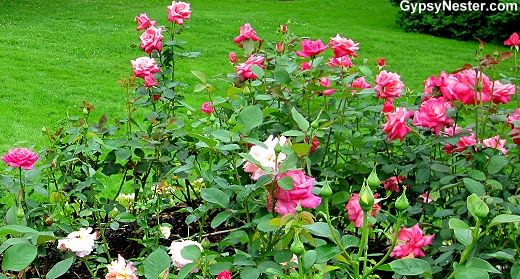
(426, 198)
(120, 269)
(233, 58)
(314, 145)
(343, 46)
(311, 48)
(266, 156)
(224, 275)
(388, 85)
(279, 47)
(144, 66)
(432, 115)
(246, 32)
(381, 62)
(244, 69)
(149, 81)
(465, 142)
(305, 66)
(514, 40)
(144, 22)
(326, 82)
(502, 92)
(287, 200)
(387, 107)
(410, 242)
(392, 183)
(360, 83)
(151, 39)
(156, 97)
(396, 126)
(355, 213)
(343, 62)
(444, 83)
(178, 12)
(469, 84)
(207, 108)
(515, 132)
(20, 157)
(495, 142)
(283, 28)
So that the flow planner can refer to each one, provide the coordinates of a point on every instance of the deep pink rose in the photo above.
(20, 157)
(178, 12)
(343, 46)
(432, 115)
(151, 39)
(314, 145)
(311, 48)
(495, 142)
(144, 22)
(388, 106)
(149, 81)
(502, 92)
(381, 62)
(396, 126)
(324, 81)
(279, 47)
(244, 69)
(360, 83)
(410, 242)
(444, 83)
(224, 275)
(233, 58)
(355, 213)
(392, 183)
(156, 97)
(144, 66)
(469, 84)
(465, 142)
(207, 108)
(305, 66)
(283, 28)
(287, 200)
(246, 32)
(343, 61)
(515, 131)
(514, 40)
(388, 85)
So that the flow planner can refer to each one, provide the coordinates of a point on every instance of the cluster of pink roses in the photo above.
(243, 70)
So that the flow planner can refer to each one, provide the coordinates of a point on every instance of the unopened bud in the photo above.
(85, 111)
(277, 148)
(298, 208)
(189, 113)
(57, 197)
(366, 198)
(297, 246)
(372, 180)
(232, 121)
(315, 124)
(402, 202)
(20, 213)
(212, 118)
(206, 244)
(326, 191)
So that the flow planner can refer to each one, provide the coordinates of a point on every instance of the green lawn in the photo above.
(56, 53)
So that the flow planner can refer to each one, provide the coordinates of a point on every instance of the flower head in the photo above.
(20, 157)
(232, 57)
(410, 242)
(396, 126)
(244, 69)
(343, 46)
(432, 114)
(342, 61)
(224, 275)
(151, 39)
(81, 242)
(392, 183)
(360, 83)
(207, 108)
(144, 22)
(301, 194)
(502, 92)
(265, 156)
(176, 252)
(144, 66)
(178, 12)
(495, 142)
(246, 32)
(513, 41)
(311, 48)
(121, 270)
(388, 85)
(355, 213)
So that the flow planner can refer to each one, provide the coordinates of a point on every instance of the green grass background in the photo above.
(56, 53)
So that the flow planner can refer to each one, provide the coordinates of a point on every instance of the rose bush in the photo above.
(317, 163)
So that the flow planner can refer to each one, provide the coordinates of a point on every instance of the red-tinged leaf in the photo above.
(505, 55)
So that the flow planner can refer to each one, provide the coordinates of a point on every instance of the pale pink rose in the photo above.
(151, 39)
(495, 142)
(513, 41)
(233, 58)
(324, 81)
(393, 182)
(355, 213)
(121, 270)
(305, 66)
(311, 48)
(426, 198)
(396, 126)
(502, 92)
(432, 114)
(144, 66)
(244, 69)
(144, 22)
(20, 157)
(343, 46)
(207, 108)
(410, 242)
(176, 253)
(246, 32)
(178, 12)
(343, 62)
(471, 86)
(388, 106)
(224, 275)
(388, 85)
(360, 83)
(265, 156)
(301, 194)
(149, 81)
(80, 242)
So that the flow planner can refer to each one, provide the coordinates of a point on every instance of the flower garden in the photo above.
(308, 166)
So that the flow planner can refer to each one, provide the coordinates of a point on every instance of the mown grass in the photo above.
(57, 53)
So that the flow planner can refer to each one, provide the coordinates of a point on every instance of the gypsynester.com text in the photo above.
(450, 6)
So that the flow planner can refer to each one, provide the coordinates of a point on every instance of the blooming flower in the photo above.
(515, 131)
(81, 242)
(470, 88)
(149, 81)
(287, 200)
(343, 61)
(232, 58)
(311, 48)
(392, 183)
(224, 275)
(355, 213)
(144, 22)
(388, 106)
(121, 270)
(20, 157)
(324, 81)
(396, 126)
(464, 142)
(144, 66)
(513, 41)
(176, 250)
(178, 12)
(495, 142)
(305, 66)
(410, 242)
(151, 39)
(432, 114)
(502, 92)
(388, 85)
(244, 69)
(265, 156)
(360, 83)
(343, 46)
(314, 145)
(166, 231)
(246, 32)
(207, 108)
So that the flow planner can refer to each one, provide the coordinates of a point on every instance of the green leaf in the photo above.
(215, 196)
(199, 87)
(440, 168)
(463, 236)
(474, 186)
(19, 256)
(60, 268)
(477, 175)
(185, 270)
(477, 207)
(515, 271)
(123, 154)
(479, 263)
(16, 229)
(496, 163)
(286, 183)
(301, 149)
(505, 218)
(319, 229)
(462, 272)
(288, 163)
(410, 266)
(365, 70)
(326, 252)
(455, 223)
(249, 273)
(350, 241)
(281, 76)
(302, 123)
(200, 75)
(125, 217)
(191, 252)
(250, 117)
(157, 262)
(249, 47)
(259, 72)
(309, 258)
(220, 218)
